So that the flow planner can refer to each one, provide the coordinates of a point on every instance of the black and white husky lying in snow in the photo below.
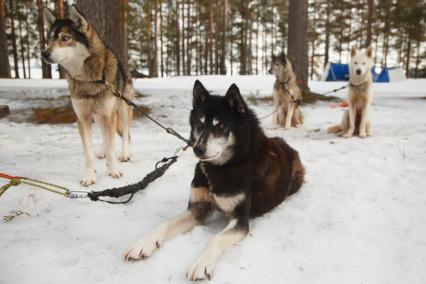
(240, 172)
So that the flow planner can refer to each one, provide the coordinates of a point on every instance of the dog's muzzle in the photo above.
(358, 72)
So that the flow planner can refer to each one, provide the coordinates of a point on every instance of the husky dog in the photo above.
(287, 94)
(360, 95)
(77, 47)
(240, 172)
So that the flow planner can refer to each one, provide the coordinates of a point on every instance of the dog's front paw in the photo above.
(114, 173)
(124, 158)
(287, 127)
(142, 249)
(201, 269)
(362, 135)
(347, 134)
(88, 179)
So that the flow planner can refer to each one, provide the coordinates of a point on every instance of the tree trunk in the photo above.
(408, 54)
(21, 43)
(155, 57)
(46, 68)
(177, 39)
(108, 17)
(298, 40)
(4, 54)
(14, 47)
(369, 22)
(188, 37)
(183, 38)
(60, 12)
(148, 36)
(28, 28)
(327, 33)
(161, 39)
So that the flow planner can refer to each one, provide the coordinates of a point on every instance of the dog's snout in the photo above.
(358, 71)
(270, 71)
(46, 54)
(199, 150)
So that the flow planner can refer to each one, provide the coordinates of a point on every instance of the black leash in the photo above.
(150, 177)
(334, 91)
(133, 188)
(118, 94)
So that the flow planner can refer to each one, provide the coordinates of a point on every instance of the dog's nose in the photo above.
(199, 150)
(358, 72)
(45, 54)
(270, 71)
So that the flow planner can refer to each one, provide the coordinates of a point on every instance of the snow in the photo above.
(359, 218)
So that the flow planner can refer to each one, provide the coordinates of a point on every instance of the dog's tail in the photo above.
(297, 175)
(335, 129)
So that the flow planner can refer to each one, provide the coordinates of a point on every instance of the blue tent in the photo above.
(340, 72)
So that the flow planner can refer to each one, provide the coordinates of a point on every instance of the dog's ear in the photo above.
(199, 94)
(78, 19)
(235, 99)
(353, 51)
(370, 52)
(49, 17)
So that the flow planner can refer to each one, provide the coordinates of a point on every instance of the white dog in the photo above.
(360, 95)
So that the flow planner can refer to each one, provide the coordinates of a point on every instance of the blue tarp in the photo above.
(340, 72)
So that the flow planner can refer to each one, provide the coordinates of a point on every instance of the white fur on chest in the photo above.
(228, 203)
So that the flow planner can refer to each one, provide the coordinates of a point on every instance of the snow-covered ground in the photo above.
(359, 218)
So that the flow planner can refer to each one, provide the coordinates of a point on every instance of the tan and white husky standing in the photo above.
(360, 95)
(286, 94)
(76, 46)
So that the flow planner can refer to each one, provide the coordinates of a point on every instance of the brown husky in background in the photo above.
(77, 47)
(286, 94)
(360, 95)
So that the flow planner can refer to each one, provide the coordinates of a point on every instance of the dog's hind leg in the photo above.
(289, 116)
(178, 225)
(85, 129)
(368, 127)
(101, 153)
(125, 120)
(236, 230)
(352, 118)
(107, 126)
(363, 123)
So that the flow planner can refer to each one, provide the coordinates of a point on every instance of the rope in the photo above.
(133, 188)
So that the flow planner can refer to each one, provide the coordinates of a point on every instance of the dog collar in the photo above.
(358, 85)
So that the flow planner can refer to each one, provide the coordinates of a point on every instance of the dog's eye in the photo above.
(220, 125)
(66, 38)
(356, 63)
(363, 63)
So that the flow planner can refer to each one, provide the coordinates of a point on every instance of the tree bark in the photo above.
(369, 22)
(14, 47)
(177, 39)
(60, 12)
(21, 43)
(46, 68)
(327, 33)
(28, 28)
(108, 18)
(161, 39)
(298, 40)
(4, 54)
(155, 57)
